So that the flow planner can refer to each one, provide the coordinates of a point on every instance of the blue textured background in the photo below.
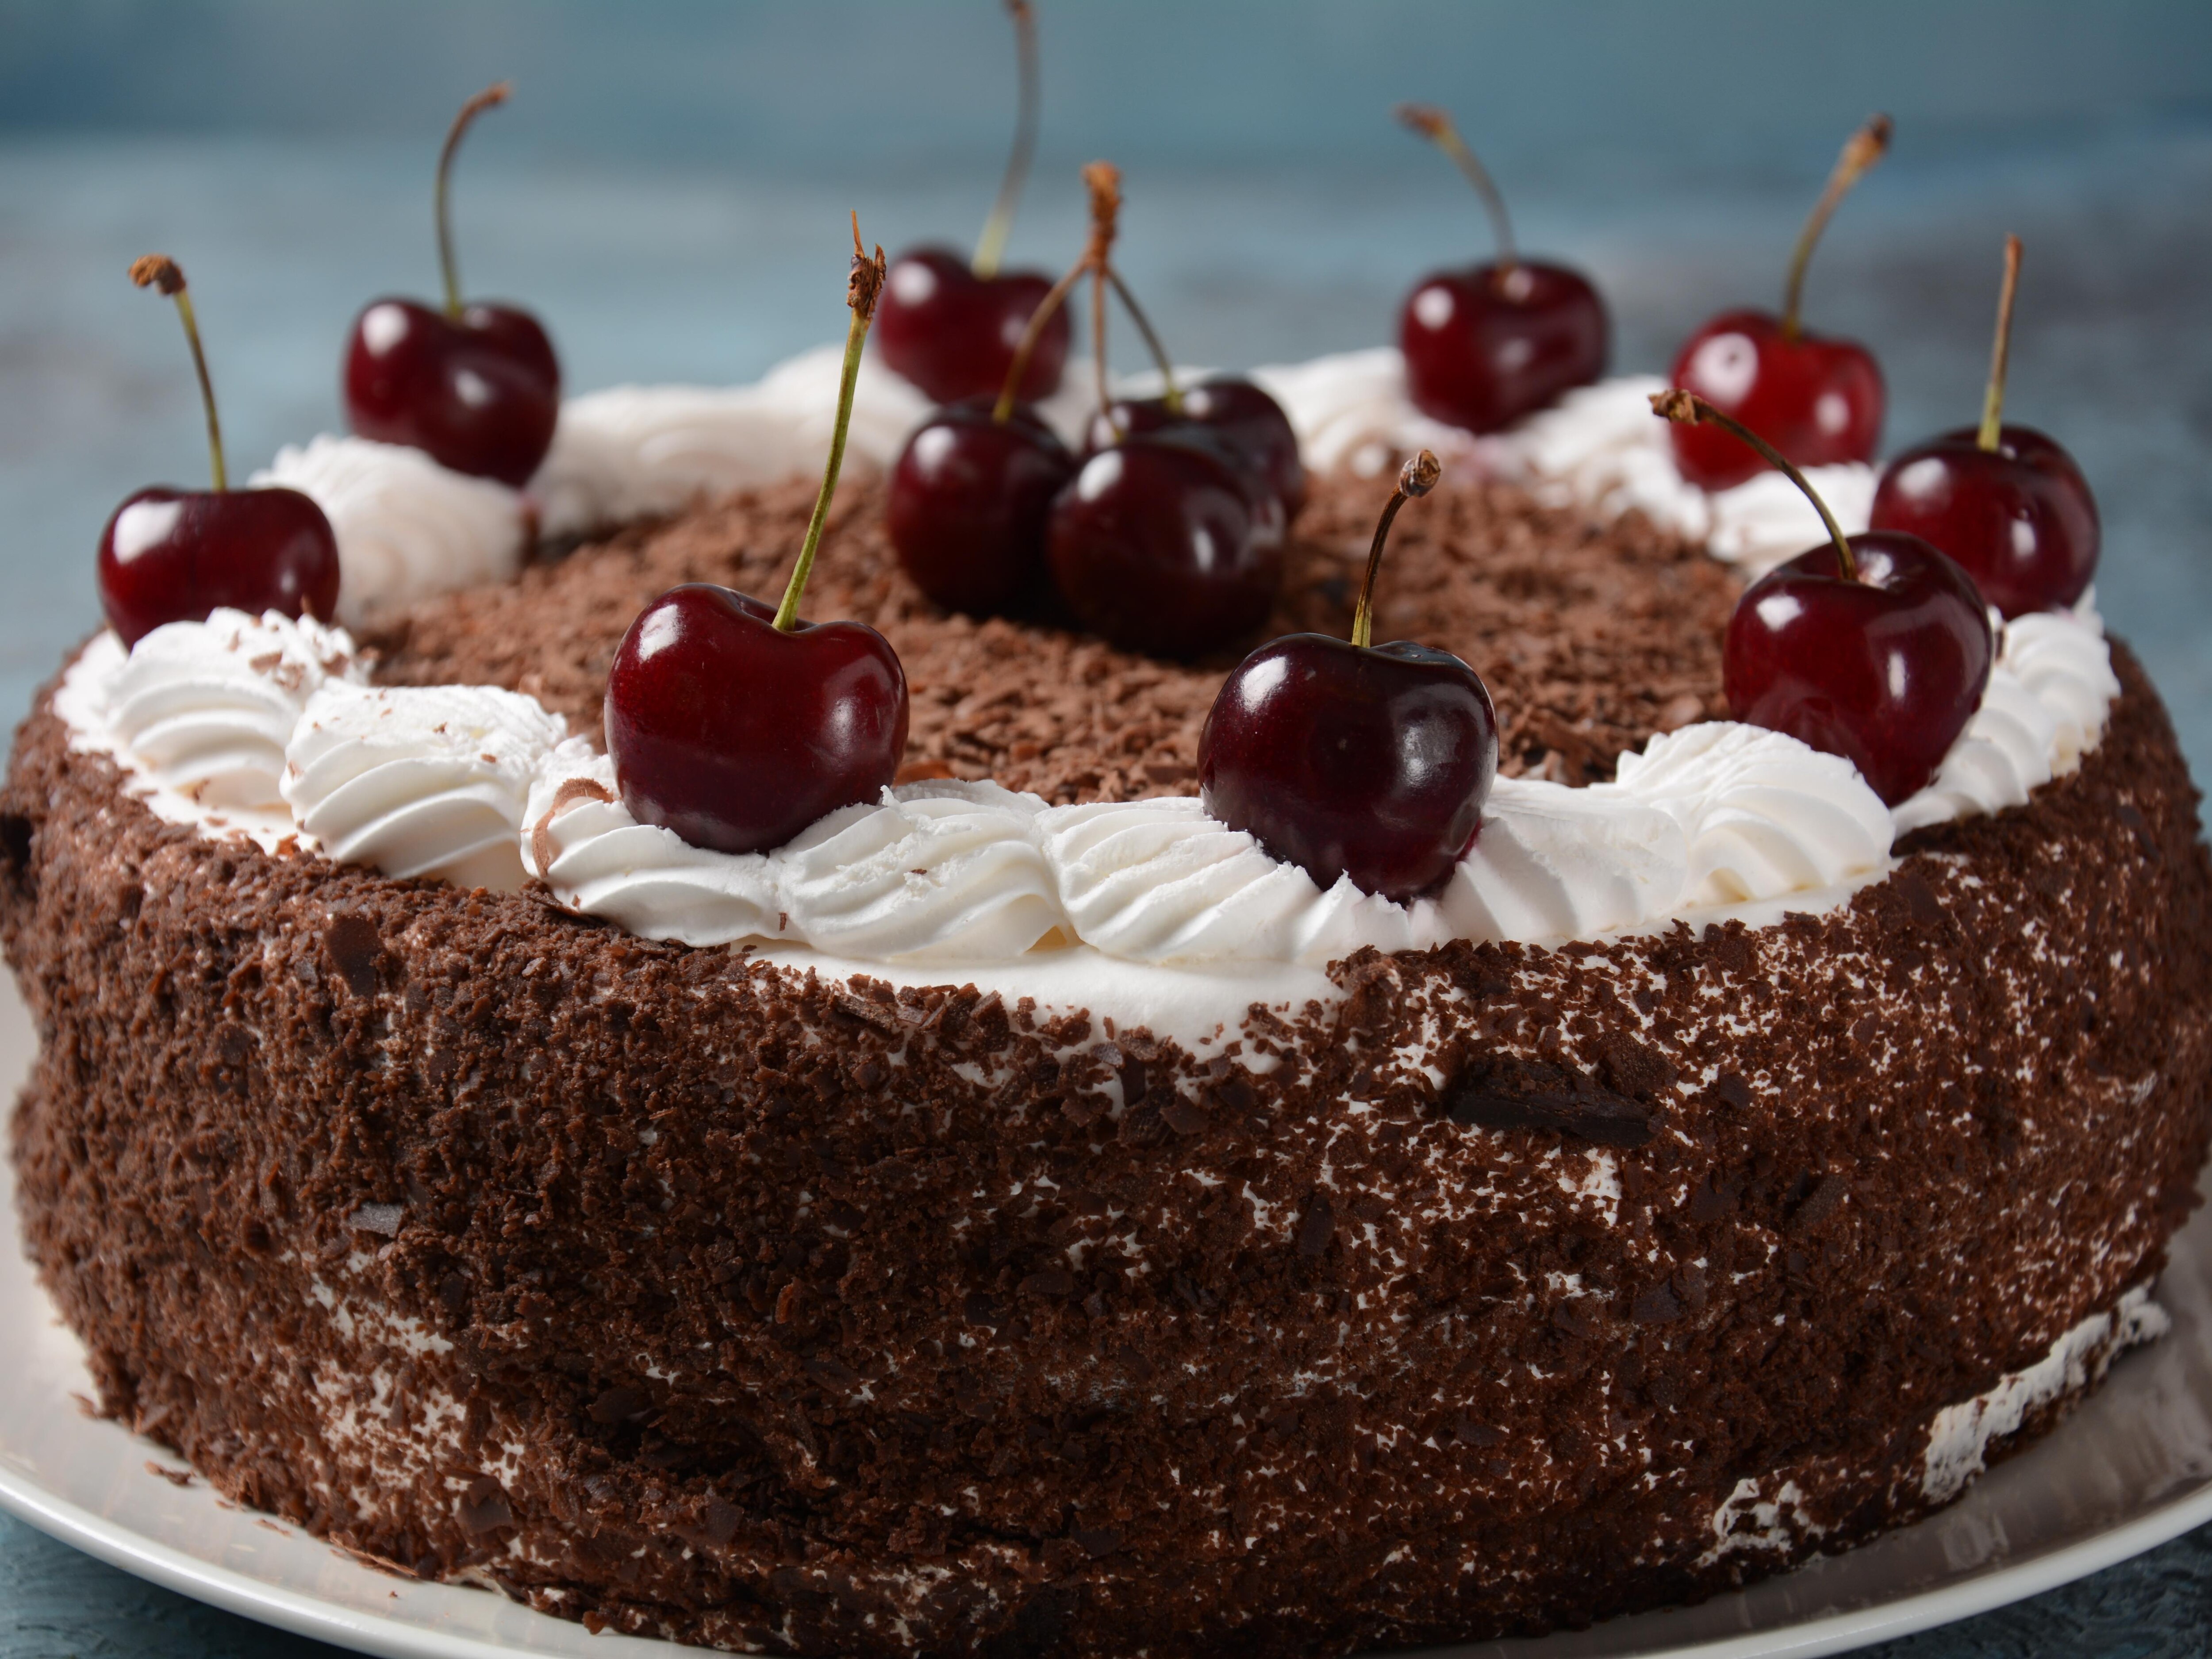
(668, 188)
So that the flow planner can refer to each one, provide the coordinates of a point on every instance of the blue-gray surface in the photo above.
(668, 188)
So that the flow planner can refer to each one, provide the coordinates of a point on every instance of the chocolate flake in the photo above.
(1506, 1092)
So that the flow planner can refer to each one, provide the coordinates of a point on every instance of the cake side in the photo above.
(1431, 1311)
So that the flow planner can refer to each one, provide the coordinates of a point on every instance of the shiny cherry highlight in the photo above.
(970, 498)
(1235, 410)
(1164, 544)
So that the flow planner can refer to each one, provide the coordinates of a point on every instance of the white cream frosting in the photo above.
(1159, 880)
(600, 861)
(206, 708)
(2050, 692)
(420, 781)
(633, 451)
(1555, 863)
(939, 871)
(1762, 814)
(406, 527)
(963, 872)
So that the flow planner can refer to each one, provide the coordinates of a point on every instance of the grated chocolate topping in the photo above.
(1590, 639)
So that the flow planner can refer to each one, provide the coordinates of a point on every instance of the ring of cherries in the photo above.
(736, 724)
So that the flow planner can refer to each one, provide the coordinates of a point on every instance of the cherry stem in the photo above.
(1104, 180)
(1861, 151)
(1993, 399)
(992, 247)
(862, 287)
(1417, 477)
(1003, 410)
(159, 272)
(1689, 410)
(1098, 335)
(1171, 396)
(1433, 124)
(490, 97)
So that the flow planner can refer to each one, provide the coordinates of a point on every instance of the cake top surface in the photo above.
(1591, 638)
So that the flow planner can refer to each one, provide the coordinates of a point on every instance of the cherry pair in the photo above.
(1166, 536)
(1877, 647)
(477, 387)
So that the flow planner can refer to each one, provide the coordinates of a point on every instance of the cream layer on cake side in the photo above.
(481, 786)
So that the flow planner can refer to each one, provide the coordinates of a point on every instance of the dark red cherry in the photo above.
(1355, 760)
(479, 393)
(176, 554)
(2020, 517)
(2005, 501)
(1243, 416)
(737, 735)
(476, 387)
(1168, 544)
(736, 732)
(1816, 401)
(1885, 670)
(1819, 401)
(954, 333)
(1485, 347)
(1367, 762)
(969, 497)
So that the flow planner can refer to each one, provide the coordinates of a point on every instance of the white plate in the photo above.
(2129, 1471)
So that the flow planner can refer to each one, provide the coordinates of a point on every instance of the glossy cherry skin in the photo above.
(954, 334)
(969, 496)
(1166, 543)
(1885, 671)
(737, 736)
(176, 554)
(479, 393)
(1484, 347)
(1368, 763)
(1245, 418)
(2020, 517)
(1819, 401)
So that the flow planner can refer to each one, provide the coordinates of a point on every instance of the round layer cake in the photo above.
(752, 1295)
